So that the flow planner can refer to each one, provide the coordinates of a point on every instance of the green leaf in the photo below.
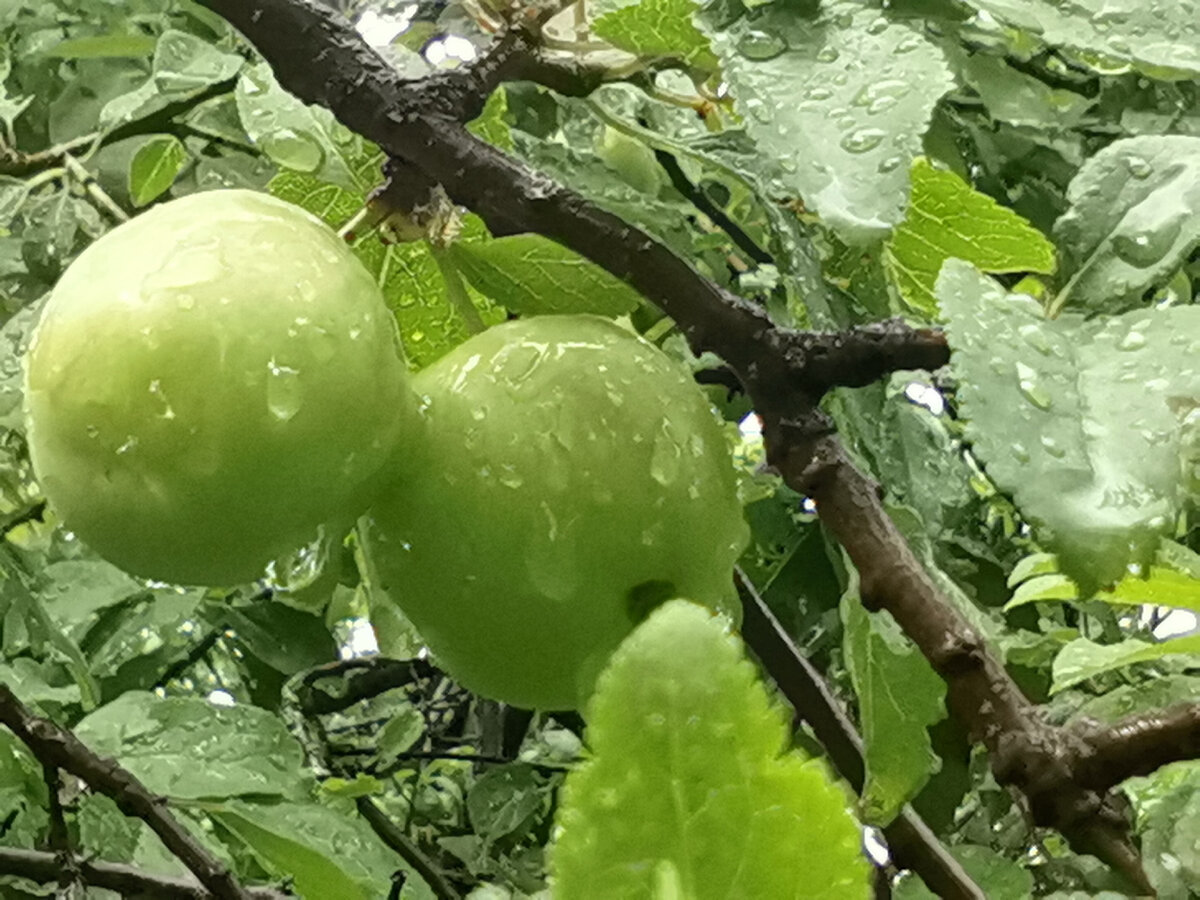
(1160, 587)
(76, 589)
(1082, 659)
(286, 639)
(947, 218)
(327, 853)
(155, 167)
(1159, 33)
(842, 106)
(533, 275)
(27, 679)
(1015, 97)
(690, 792)
(1134, 220)
(22, 794)
(1148, 696)
(997, 876)
(492, 123)
(1083, 421)
(184, 63)
(506, 800)
(104, 46)
(899, 697)
(295, 136)
(1051, 586)
(186, 748)
(1031, 565)
(313, 874)
(656, 28)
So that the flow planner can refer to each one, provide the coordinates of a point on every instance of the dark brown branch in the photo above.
(45, 868)
(1026, 752)
(1139, 745)
(54, 746)
(862, 355)
(372, 676)
(912, 844)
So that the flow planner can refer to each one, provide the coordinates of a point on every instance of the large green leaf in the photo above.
(842, 105)
(690, 792)
(1083, 421)
(1134, 219)
(948, 219)
(186, 748)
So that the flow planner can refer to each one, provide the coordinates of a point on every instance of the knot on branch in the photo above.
(861, 355)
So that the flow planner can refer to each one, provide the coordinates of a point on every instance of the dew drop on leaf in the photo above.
(761, 46)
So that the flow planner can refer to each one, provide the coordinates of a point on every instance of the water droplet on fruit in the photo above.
(157, 391)
(665, 457)
(283, 391)
(128, 446)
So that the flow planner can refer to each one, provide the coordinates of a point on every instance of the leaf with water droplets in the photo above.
(1153, 34)
(186, 748)
(1088, 423)
(690, 788)
(295, 136)
(1015, 97)
(1134, 220)
(842, 106)
(948, 218)
(320, 850)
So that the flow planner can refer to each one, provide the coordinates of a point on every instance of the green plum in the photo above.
(570, 478)
(210, 383)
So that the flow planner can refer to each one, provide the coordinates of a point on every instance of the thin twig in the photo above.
(390, 834)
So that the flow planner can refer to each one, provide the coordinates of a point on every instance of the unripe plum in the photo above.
(571, 477)
(211, 382)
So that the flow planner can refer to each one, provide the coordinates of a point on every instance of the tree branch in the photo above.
(46, 868)
(55, 746)
(1138, 745)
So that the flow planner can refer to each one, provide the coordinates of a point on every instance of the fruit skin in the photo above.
(565, 463)
(211, 382)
